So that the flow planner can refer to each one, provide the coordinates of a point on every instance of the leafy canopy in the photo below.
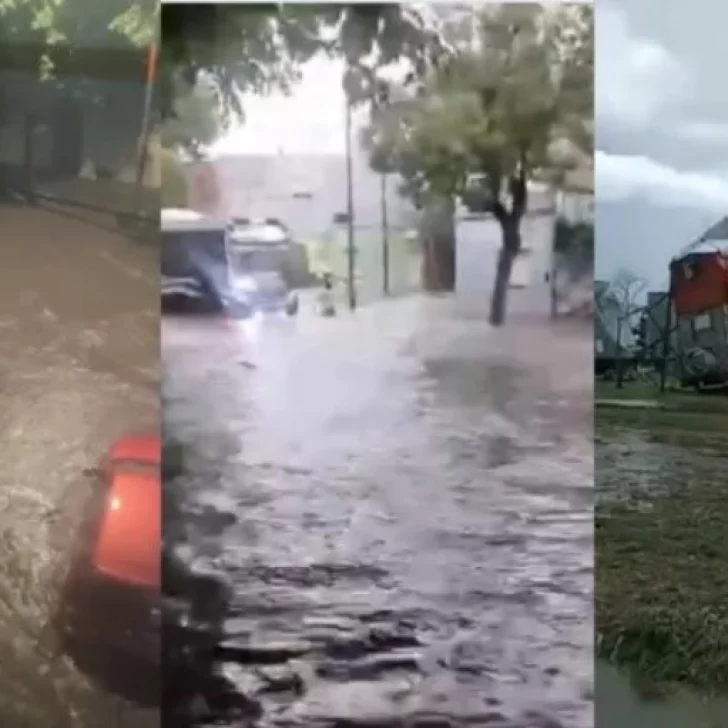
(258, 48)
(498, 113)
(47, 32)
(196, 121)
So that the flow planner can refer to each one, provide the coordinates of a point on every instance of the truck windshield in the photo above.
(186, 253)
(260, 260)
(196, 262)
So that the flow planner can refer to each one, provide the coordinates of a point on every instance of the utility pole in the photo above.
(350, 246)
(143, 151)
(385, 234)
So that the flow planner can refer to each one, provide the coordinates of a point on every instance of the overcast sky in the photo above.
(310, 120)
(662, 130)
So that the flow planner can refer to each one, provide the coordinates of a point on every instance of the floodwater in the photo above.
(641, 457)
(646, 453)
(619, 705)
(79, 353)
(402, 502)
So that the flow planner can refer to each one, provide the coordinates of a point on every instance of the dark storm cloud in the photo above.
(662, 130)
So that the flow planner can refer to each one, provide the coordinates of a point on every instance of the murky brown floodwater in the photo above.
(403, 502)
(79, 352)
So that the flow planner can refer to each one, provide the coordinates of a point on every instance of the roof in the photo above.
(258, 232)
(173, 219)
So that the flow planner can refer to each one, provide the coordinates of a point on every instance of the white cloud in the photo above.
(637, 79)
(619, 177)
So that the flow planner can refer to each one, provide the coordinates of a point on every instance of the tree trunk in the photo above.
(438, 246)
(438, 265)
(510, 248)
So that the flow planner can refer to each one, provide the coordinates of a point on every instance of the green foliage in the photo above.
(53, 30)
(93, 51)
(482, 124)
(261, 47)
(575, 238)
(196, 121)
(174, 192)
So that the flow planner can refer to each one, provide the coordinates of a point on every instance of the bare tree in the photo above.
(625, 288)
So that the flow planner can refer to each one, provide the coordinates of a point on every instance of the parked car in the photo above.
(109, 609)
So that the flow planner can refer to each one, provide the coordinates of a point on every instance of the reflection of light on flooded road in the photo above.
(252, 328)
(317, 469)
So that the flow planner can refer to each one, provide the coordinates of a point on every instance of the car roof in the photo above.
(137, 448)
(257, 231)
(177, 219)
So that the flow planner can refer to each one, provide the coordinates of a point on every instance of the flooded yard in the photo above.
(661, 548)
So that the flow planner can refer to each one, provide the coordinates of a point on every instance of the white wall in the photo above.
(478, 242)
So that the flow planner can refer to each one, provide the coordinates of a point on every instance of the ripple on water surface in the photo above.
(409, 517)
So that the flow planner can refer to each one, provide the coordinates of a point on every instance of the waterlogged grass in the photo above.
(662, 544)
(672, 399)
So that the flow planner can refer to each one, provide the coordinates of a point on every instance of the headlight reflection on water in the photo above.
(251, 328)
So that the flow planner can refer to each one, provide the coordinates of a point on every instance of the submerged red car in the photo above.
(110, 605)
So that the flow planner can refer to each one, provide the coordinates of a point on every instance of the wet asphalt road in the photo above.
(403, 503)
(79, 367)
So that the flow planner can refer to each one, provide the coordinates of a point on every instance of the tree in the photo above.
(261, 47)
(175, 189)
(625, 288)
(196, 121)
(486, 123)
(640, 334)
(88, 54)
(53, 40)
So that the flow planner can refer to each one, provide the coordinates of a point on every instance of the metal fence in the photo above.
(381, 268)
(572, 271)
(74, 141)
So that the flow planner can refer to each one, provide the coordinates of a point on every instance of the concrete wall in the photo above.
(111, 120)
(305, 191)
(478, 242)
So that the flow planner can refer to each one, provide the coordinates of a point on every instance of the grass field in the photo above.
(661, 538)
(682, 400)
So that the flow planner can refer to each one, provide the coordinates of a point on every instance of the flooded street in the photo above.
(79, 345)
(402, 500)
(661, 521)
